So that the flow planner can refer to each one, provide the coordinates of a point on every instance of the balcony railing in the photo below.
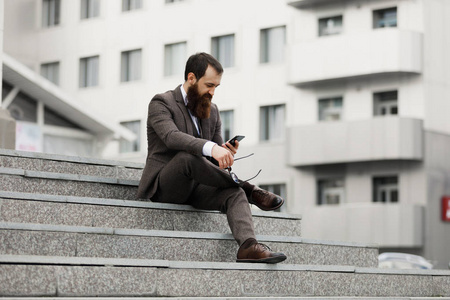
(381, 51)
(380, 138)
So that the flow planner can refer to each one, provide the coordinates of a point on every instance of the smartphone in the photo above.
(236, 138)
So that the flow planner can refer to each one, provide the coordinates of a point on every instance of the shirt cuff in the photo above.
(207, 148)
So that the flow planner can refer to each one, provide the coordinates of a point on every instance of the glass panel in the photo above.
(89, 71)
(50, 71)
(385, 103)
(330, 109)
(272, 43)
(385, 189)
(175, 58)
(272, 123)
(223, 50)
(385, 18)
(330, 191)
(330, 26)
(135, 146)
(227, 118)
(131, 65)
(131, 4)
(50, 12)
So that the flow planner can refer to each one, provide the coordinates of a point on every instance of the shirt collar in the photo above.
(183, 93)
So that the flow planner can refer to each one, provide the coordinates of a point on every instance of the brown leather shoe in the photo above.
(265, 200)
(253, 252)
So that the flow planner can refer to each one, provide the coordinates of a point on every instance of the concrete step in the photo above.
(231, 298)
(42, 162)
(28, 276)
(113, 213)
(19, 180)
(71, 241)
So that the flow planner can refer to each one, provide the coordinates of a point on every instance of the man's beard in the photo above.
(199, 105)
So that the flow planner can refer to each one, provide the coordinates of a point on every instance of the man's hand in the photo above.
(230, 147)
(223, 156)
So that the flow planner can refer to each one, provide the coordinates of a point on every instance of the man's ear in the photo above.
(191, 78)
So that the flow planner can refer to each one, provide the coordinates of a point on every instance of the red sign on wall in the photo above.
(446, 208)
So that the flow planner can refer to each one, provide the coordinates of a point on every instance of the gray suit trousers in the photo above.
(189, 179)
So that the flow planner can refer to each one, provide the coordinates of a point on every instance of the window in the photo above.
(330, 26)
(330, 191)
(223, 50)
(385, 189)
(227, 118)
(128, 5)
(89, 68)
(131, 65)
(385, 103)
(277, 189)
(174, 58)
(90, 9)
(173, 1)
(50, 71)
(272, 123)
(330, 109)
(134, 146)
(272, 42)
(51, 10)
(385, 18)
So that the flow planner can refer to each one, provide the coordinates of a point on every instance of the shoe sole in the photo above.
(269, 209)
(270, 260)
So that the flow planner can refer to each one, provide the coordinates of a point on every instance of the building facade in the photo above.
(343, 102)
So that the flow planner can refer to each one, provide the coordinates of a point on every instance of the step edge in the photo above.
(129, 203)
(169, 234)
(125, 262)
(73, 159)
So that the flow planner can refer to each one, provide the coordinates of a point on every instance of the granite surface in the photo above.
(69, 188)
(22, 211)
(69, 167)
(91, 281)
(108, 245)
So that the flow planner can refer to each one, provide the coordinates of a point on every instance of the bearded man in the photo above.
(187, 158)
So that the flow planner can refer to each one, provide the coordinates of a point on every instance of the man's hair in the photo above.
(199, 62)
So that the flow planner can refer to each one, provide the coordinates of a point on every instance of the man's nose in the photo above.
(211, 91)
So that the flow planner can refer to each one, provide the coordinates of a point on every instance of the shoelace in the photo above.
(264, 246)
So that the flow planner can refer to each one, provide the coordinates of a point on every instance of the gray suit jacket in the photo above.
(170, 130)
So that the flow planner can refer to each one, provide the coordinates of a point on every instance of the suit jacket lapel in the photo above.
(187, 118)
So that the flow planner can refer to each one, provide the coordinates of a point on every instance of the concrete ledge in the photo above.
(121, 277)
(76, 159)
(167, 234)
(67, 177)
(129, 203)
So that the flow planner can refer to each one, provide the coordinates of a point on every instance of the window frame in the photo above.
(320, 29)
(376, 17)
(379, 187)
(219, 47)
(87, 64)
(266, 45)
(329, 186)
(268, 117)
(324, 112)
(129, 60)
(51, 13)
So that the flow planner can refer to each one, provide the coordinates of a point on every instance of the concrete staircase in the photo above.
(71, 227)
